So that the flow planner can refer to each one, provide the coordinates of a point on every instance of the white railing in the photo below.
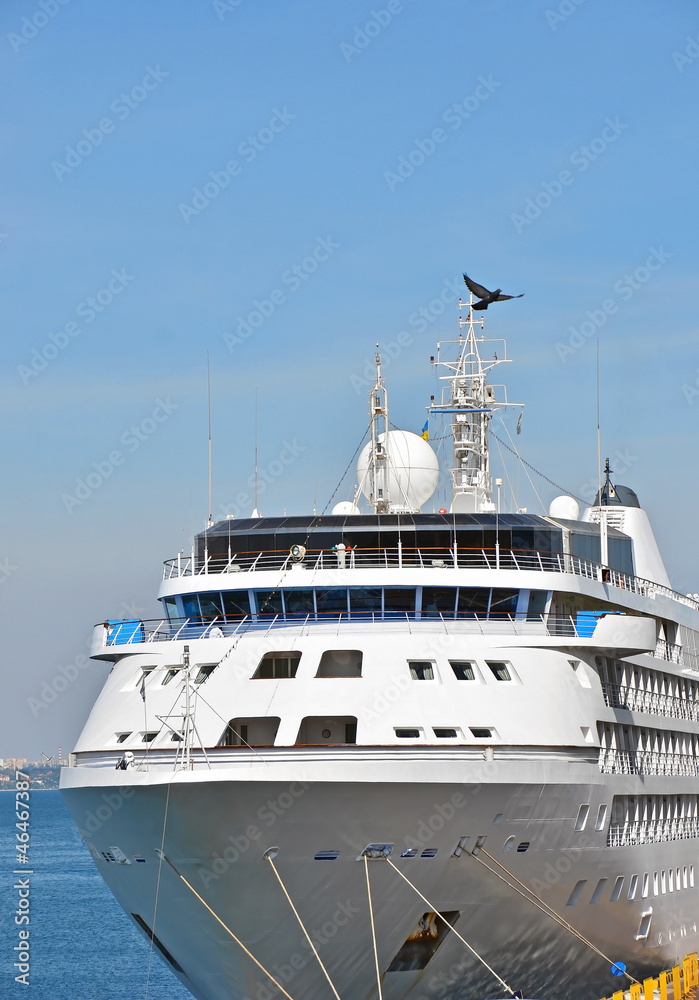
(132, 632)
(417, 558)
(653, 831)
(654, 703)
(647, 762)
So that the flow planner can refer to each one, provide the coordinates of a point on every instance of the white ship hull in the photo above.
(220, 823)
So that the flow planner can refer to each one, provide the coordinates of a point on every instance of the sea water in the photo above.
(82, 946)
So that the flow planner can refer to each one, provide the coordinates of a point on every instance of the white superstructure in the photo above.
(479, 697)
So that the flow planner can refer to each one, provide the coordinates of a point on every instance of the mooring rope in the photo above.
(157, 888)
(544, 907)
(463, 940)
(227, 929)
(303, 928)
(373, 928)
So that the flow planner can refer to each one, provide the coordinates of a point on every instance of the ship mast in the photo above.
(378, 463)
(470, 401)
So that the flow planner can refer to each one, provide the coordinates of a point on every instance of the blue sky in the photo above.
(167, 166)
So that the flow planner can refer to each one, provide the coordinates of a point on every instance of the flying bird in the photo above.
(485, 296)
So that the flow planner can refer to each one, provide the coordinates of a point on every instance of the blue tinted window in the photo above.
(190, 605)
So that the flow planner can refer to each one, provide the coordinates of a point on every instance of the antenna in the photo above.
(208, 386)
(256, 511)
(599, 448)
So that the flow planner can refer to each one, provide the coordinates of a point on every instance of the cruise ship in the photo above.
(396, 752)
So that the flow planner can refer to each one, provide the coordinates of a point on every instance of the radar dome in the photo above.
(345, 507)
(567, 508)
(412, 473)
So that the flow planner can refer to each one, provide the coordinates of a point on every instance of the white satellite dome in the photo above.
(345, 507)
(413, 470)
(567, 508)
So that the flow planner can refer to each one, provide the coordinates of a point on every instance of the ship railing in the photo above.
(652, 831)
(404, 557)
(652, 702)
(648, 762)
(135, 632)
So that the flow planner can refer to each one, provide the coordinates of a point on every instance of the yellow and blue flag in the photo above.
(425, 433)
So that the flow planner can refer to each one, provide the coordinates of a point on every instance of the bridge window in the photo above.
(365, 599)
(399, 599)
(269, 602)
(277, 665)
(503, 602)
(438, 600)
(299, 602)
(210, 605)
(331, 602)
(236, 603)
(473, 600)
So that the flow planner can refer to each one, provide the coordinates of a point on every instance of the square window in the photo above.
(464, 670)
(500, 670)
(421, 670)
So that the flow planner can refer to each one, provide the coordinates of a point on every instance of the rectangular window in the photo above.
(445, 734)
(500, 670)
(504, 602)
(269, 602)
(170, 608)
(438, 601)
(617, 890)
(397, 599)
(277, 665)
(331, 602)
(473, 601)
(170, 673)
(464, 670)
(537, 604)
(210, 605)
(481, 734)
(236, 604)
(205, 671)
(299, 602)
(190, 605)
(633, 886)
(407, 734)
(365, 599)
(421, 670)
